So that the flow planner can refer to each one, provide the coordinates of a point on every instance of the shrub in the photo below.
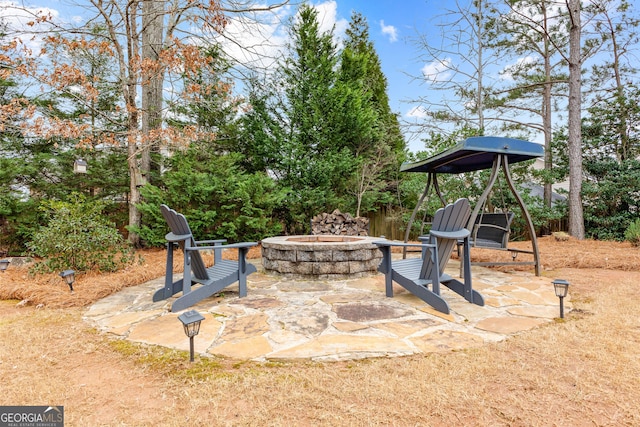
(79, 237)
(632, 233)
(219, 199)
(611, 197)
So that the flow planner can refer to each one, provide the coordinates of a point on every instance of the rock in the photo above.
(561, 236)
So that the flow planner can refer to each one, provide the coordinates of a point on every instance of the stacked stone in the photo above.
(297, 256)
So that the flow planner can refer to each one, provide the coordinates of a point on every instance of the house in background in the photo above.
(560, 189)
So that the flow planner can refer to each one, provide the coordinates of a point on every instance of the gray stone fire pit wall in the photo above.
(321, 256)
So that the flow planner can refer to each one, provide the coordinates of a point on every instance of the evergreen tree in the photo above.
(291, 130)
(207, 103)
(322, 126)
(613, 82)
(360, 66)
(370, 128)
(535, 33)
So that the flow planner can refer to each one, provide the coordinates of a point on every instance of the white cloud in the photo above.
(259, 39)
(390, 31)
(255, 40)
(438, 70)
(507, 71)
(328, 17)
(18, 15)
(418, 112)
(21, 22)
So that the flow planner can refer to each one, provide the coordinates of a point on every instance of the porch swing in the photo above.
(489, 230)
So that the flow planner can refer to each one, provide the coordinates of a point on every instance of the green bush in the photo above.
(219, 199)
(632, 233)
(611, 198)
(79, 237)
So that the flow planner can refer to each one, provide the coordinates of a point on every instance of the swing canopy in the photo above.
(476, 153)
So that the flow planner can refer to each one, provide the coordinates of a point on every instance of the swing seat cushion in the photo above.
(491, 230)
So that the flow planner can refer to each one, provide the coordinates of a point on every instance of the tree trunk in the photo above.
(139, 159)
(623, 147)
(134, 194)
(152, 81)
(546, 118)
(576, 216)
(133, 142)
(480, 67)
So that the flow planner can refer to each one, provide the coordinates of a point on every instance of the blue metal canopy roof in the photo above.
(476, 153)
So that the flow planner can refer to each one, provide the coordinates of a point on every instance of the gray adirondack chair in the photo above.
(213, 279)
(417, 274)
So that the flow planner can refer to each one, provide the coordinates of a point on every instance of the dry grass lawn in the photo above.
(579, 372)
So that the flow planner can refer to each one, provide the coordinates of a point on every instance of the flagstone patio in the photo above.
(324, 320)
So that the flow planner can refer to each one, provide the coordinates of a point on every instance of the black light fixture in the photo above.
(561, 287)
(191, 321)
(4, 263)
(80, 166)
(69, 277)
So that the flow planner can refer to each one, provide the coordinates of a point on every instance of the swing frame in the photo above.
(480, 153)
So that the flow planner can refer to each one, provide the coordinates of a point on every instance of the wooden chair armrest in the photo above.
(171, 237)
(211, 242)
(451, 235)
(402, 244)
(229, 246)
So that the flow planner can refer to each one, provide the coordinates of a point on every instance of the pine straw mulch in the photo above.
(570, 253)
(49, 289)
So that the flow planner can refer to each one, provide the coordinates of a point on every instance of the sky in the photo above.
(393, 24)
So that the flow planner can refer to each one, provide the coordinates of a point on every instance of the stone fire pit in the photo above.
(321, 256)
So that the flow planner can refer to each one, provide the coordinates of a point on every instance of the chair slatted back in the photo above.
(452, 217)
(178, 225)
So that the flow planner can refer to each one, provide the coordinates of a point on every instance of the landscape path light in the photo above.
(69, 277)
(561, 287)
(4, 263)
(191, 321)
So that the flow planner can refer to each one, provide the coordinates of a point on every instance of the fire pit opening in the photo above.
(322, 239)
(321, 256)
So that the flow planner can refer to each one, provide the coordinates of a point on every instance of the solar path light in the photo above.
(561, 287)
(191, 321)
(69, 277)
(4, 263)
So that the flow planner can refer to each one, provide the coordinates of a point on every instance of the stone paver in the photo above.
(286, 318)
(248, 348)
(508, 325)
(336, 347)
